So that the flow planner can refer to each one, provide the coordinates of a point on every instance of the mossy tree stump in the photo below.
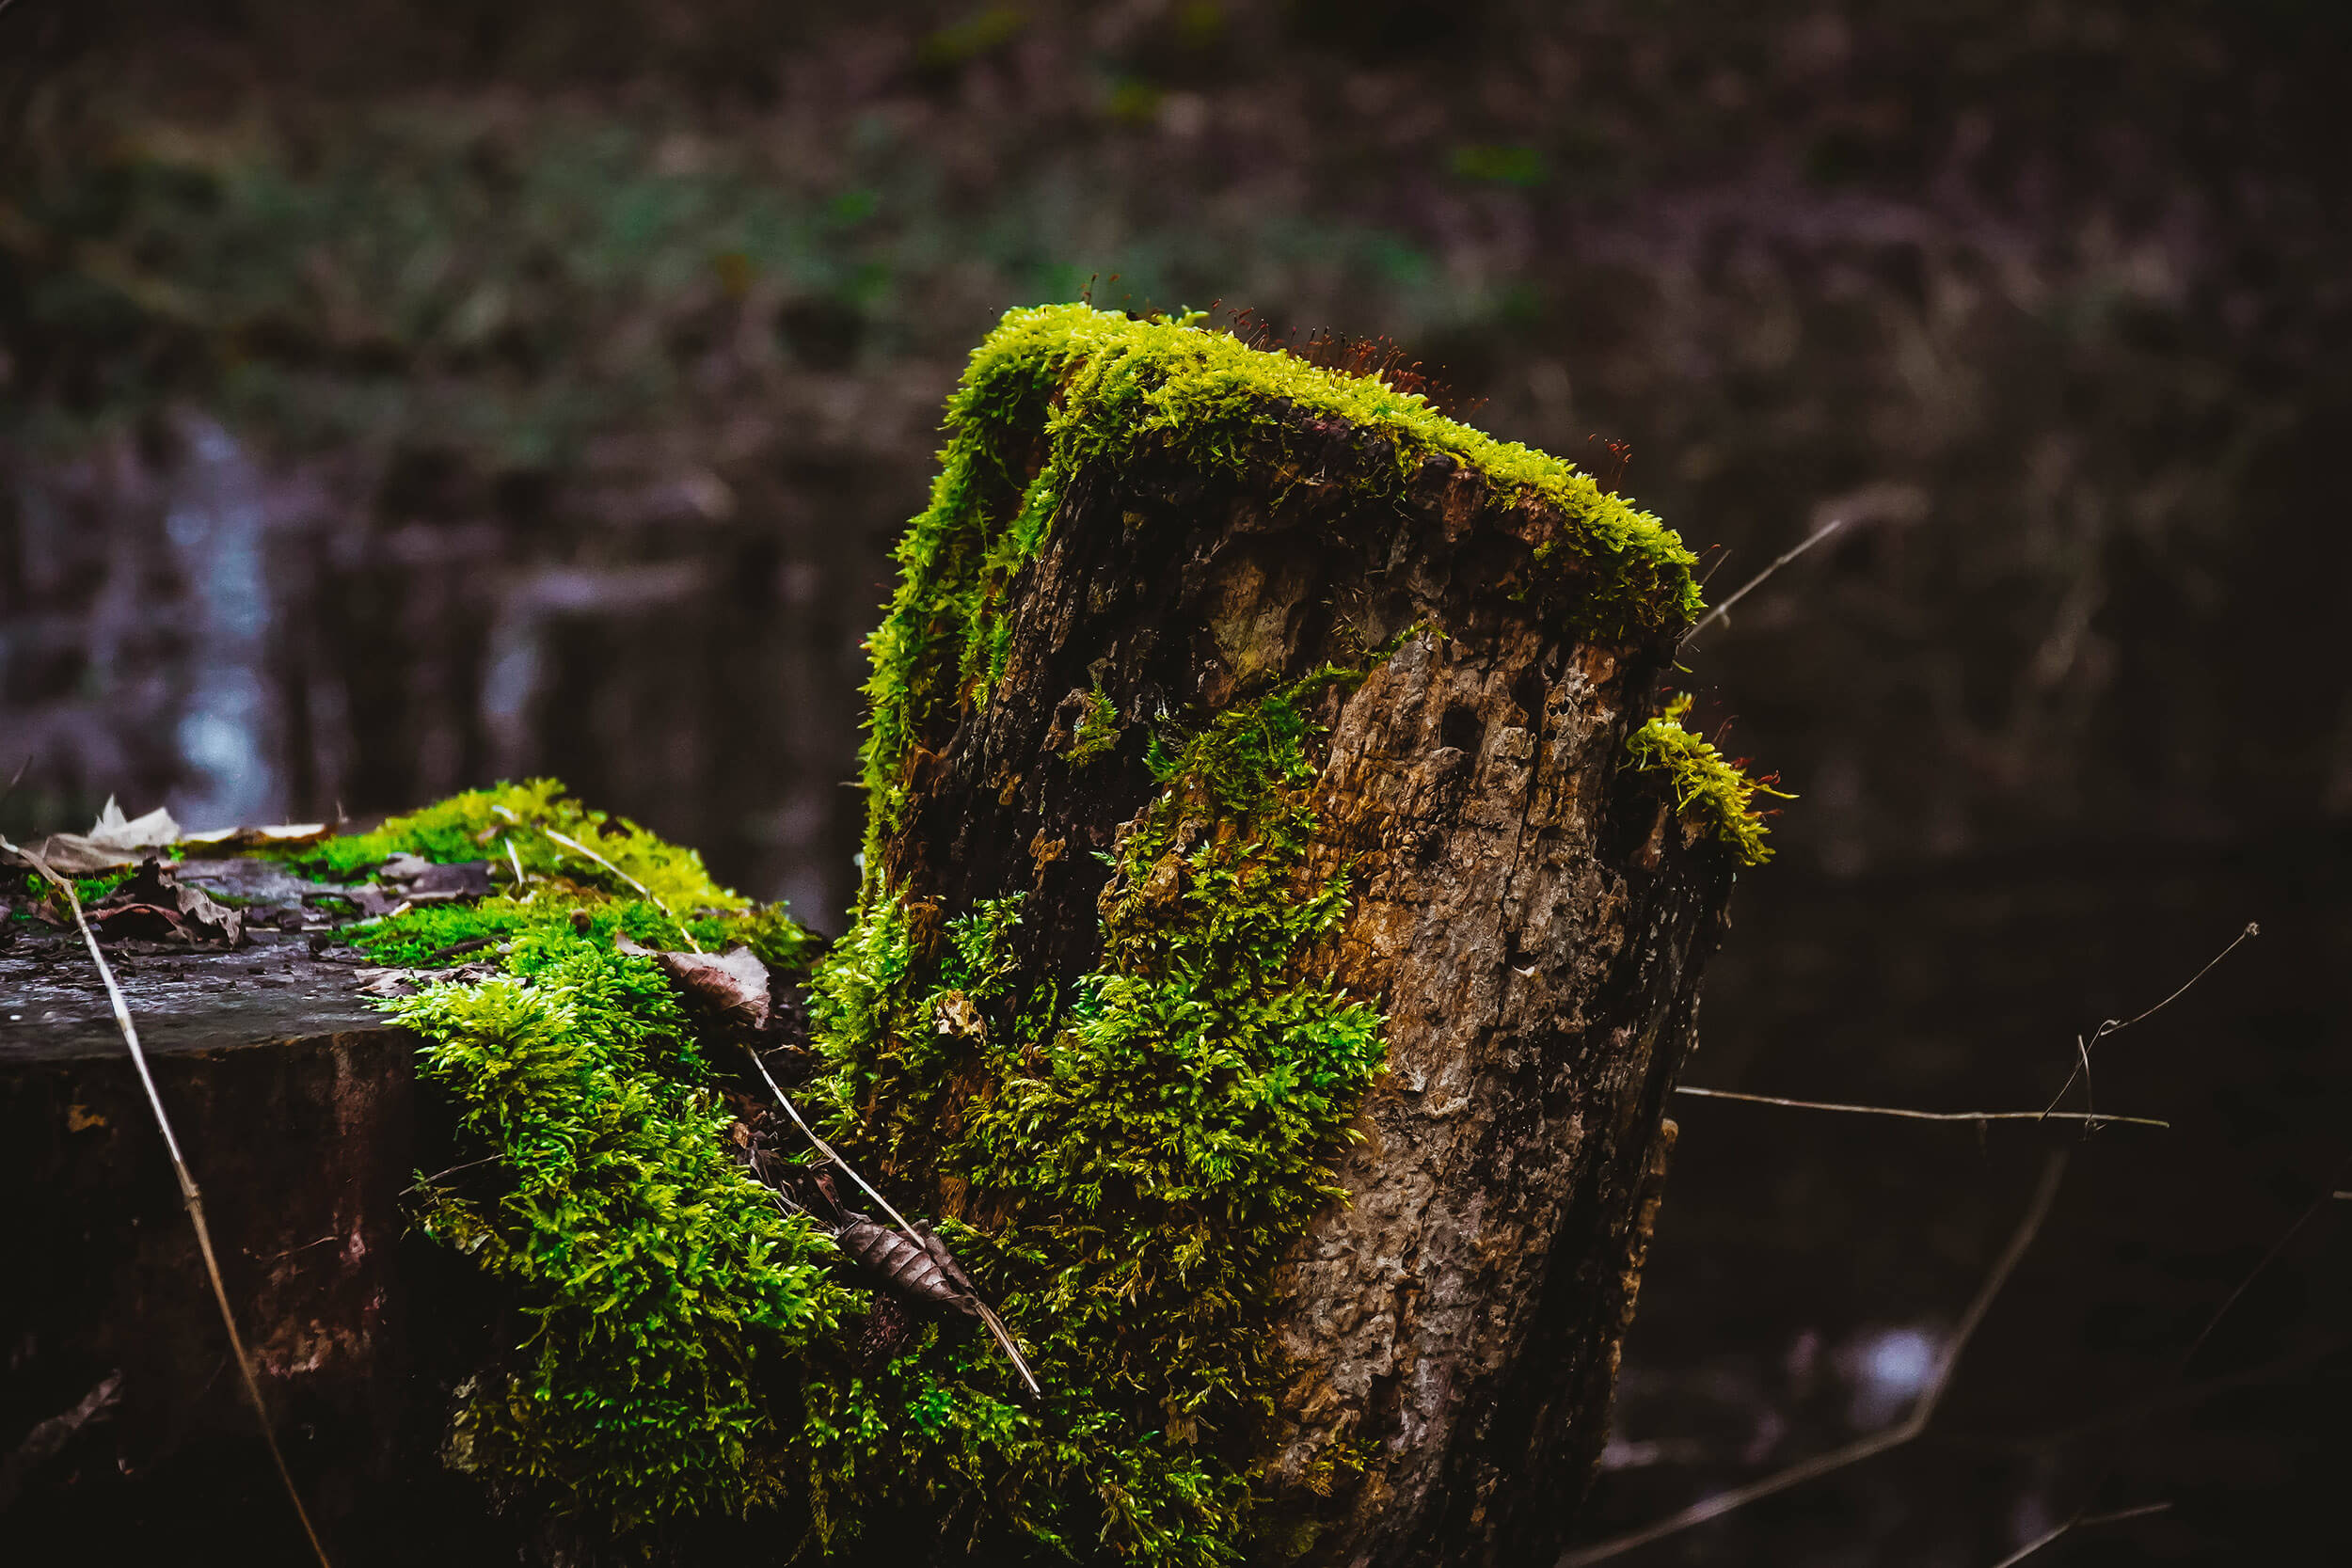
(1157, 559)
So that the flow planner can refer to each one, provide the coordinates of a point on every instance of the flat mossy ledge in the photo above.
(1060, 390)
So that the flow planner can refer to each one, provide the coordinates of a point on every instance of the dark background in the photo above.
(399, 396)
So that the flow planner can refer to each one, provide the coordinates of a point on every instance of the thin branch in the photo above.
(2100, 1116)
(1757, 581)
(1922, 1411)
(2115, 1026)
(188, 1193)
(2188, 1358)
(2079, 1522)
(18, 777)
(2326, 1197)
(827, 1149)
(574, 844)
(2181, 1394)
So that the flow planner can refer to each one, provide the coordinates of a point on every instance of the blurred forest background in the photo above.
(395, 397)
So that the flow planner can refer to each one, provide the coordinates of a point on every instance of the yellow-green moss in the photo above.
(508, 823)
(1705, 782)
(1097, 731)
(1060, 389)
(660, 1293)
(1148, 1145)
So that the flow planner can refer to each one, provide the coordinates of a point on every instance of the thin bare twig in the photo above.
(2115, 1026)
(827, 1149)
(574, 844)
(1921, 1116)
(1757, 581)
(1922, 1411)
(2188, 1358)
(188, 1193)
(2079, 1522)
(2326, 1197)
(21, 768)
(2168, 1399)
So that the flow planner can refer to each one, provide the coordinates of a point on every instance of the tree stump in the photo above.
(124, 1427)
(1528, 914)
(1269, 971)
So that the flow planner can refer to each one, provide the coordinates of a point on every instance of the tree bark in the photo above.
(1530, 917)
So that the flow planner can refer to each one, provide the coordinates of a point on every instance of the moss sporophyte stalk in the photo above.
(1129, 1152)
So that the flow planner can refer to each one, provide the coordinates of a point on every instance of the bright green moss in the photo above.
(1059, 388)
(519, 822)
(1097, 731)
(89, 890)
(660, 1282)
(1706, 783)
(1146, 1146)
(664, 1297)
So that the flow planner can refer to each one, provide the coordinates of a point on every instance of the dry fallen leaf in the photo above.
(157, 906)
(733, 984)
(277, 835)
(113, 841)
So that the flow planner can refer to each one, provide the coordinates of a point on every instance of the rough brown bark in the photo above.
(1528, 914)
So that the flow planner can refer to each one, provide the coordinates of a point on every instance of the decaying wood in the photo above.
(1530, 917)
(300, 1107)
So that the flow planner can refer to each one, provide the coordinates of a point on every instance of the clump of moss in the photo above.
(661, 1283)
(1146, 1147)
(518, 823)
(1097, 733)
(1706, 783)
(666, 1295)
(1059, 388)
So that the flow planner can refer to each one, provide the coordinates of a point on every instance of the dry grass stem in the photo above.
(2115, 1026)
(2079, 1522)
(582, 848)
(188, 1194)
(2099, 1116)
(1757, 581)
(827, 1150)
(1922, 1411)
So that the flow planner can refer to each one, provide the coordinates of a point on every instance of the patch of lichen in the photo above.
(1705, 782)
(663, 1296)
(1145, 1147)
(1060, 389)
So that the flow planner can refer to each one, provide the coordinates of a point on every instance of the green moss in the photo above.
(1061, 389)
(661, 1285)
(89, 890)
(663, 1297)
(1146, 1147)
(510, 823)
(1705, 782)
(1097, 733)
